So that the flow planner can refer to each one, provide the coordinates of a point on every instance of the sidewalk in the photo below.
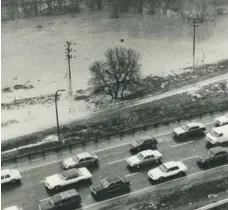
(44, 117)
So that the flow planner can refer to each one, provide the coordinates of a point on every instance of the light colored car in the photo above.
(13, 208)
(10, 176)
(144, 157)
(189, 129)
(168, 169)
(222, 120)
(67, 177)
(80, 160)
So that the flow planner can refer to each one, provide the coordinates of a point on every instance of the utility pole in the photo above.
(69, 57)
(194, 25)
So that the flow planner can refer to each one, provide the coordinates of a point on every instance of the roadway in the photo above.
(112, 161)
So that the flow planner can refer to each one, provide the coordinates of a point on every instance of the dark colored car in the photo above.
(216, 156)
(189, 129)
(109, 186)
(61, 201)
(144, 143)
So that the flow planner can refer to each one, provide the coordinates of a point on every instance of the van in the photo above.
(218, 135)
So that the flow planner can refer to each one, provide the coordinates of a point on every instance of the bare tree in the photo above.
(120, 70)
(224, 87)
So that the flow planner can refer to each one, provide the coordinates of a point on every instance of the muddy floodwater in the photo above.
(33, 49)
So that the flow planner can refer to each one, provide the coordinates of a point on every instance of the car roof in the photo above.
(71, 173)
(113, 178)
(63, 195)
(193, 124)
(218, 149)
(83, 155)
(148, 152)
(145, 137)
(172, 164)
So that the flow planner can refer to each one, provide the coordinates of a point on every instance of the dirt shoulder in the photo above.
(189, 193)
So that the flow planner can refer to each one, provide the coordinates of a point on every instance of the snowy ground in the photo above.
(35, 56)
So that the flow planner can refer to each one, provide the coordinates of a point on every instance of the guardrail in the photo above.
(213, 205)
(75, 141)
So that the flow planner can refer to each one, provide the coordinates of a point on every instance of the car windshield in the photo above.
(140, 141)
(62, 176)
(75, 158)
(211, 153)
(140, 156)
(105, 183)
(163, 168)
(52, 202)
(185, 127)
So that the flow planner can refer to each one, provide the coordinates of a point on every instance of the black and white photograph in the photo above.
(114, 104)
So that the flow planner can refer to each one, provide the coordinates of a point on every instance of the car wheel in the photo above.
(56, 187)
(13, 181)
(181, 173)
(161, 179)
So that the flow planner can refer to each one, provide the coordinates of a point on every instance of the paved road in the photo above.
(112, 161)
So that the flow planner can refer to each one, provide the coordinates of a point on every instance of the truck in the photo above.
(217, 136)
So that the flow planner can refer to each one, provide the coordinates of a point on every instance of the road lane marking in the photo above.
(116, 161)
(107, 148)
(177, 145)
(42, 181)
(56, 161)
(132, 174)
(147, 188)
(218, 203)
(188, 158)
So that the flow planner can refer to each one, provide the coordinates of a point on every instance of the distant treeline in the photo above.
(12, 9)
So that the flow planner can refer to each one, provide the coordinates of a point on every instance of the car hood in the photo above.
(133, 160)
(69, 162)
(53, 180)
(179, 130)
(46, 205)
(134, 144)
(98, 187)
(156, 172)
(211, 138)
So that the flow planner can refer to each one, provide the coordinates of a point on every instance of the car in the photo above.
(189, 129)
(64, 200)
(215, 156)
(13, 208)
(144, 157)
(67, 177)
(217, 136)
(80, 160)
(144, 143)
(222, 120)
(10, 176)
(168, 169)
(110, 185)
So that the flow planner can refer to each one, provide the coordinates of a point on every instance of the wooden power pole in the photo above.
(194, 25)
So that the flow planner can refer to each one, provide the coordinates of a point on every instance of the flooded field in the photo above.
(32, 54)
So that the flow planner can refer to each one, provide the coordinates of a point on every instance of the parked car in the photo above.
(80, 160)
(110, 185)
(217, 136)
(64, 200)
(188, 129)
(13, 208)
(168, 169)
(10, 176)
(67, 177)
(215, 156)
(144, 143)
(144, 157)
(222, 120)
